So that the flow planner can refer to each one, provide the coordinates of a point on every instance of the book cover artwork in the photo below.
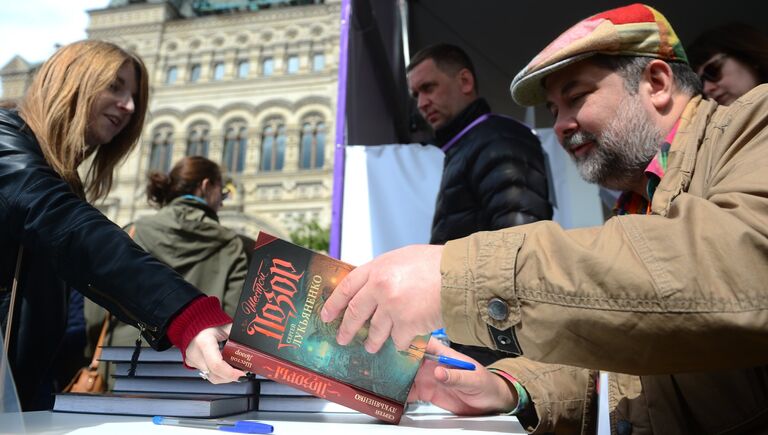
(279, 315)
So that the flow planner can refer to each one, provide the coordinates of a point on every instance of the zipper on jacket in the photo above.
(139, 324)
(136, 350)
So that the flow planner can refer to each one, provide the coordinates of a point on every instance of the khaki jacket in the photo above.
(679, 291)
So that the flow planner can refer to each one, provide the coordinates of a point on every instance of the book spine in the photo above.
(278, 370)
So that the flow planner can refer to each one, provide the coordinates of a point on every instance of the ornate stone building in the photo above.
(250, 84)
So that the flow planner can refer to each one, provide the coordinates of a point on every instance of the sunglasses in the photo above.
(224, 193)
(713, 70)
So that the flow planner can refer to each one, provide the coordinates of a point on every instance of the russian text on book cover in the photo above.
(279, 315)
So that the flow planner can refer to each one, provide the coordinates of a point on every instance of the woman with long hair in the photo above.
(88, 100)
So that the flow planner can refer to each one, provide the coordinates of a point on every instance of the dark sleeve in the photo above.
(509, 177)
(82, 246)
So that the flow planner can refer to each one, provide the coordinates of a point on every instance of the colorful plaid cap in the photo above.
(634, 30)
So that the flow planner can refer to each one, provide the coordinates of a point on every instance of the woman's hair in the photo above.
(738, 40)
(57, 108)
(185, 177)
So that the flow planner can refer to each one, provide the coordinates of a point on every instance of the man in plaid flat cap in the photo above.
(670, 291)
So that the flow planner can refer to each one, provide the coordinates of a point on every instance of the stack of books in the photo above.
(163, 372)
(161, 385)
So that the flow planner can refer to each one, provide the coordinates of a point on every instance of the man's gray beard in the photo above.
(624, 148)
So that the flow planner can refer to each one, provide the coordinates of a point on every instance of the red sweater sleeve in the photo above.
(203, 312)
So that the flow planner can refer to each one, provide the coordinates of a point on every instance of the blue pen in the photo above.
(452, 362)
(240, 426)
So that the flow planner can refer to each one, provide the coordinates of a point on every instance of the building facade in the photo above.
(251, 85)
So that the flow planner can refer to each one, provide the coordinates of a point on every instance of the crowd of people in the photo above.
(655, 319)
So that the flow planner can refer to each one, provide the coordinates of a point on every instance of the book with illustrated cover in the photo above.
(147, 354)
(271, 388)
(269, 403)
(277, 333)
(152, 369)
(175, 405)
(157, 370)
(183, 385)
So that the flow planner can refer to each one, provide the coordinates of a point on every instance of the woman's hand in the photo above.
(203, 354)
(463, 392)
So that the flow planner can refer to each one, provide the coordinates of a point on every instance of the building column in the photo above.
(291, 148)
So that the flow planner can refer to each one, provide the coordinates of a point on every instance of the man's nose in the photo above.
(565, 126)
(422, 101)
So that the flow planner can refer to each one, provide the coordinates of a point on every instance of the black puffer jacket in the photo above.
(67, 240)
(494, 176)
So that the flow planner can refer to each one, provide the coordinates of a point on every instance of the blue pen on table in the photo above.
(452, 362)
(239, 426)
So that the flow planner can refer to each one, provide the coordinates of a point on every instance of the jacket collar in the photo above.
(23, 140)
(195, 204)
(11, 118)
(683, 153)
(475, 109)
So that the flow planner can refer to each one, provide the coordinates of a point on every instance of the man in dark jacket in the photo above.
(494, 173)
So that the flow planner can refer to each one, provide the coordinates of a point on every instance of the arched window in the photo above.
(194, 73)
(171, 74)
(312, 151)
(235, 145)
(267, 67)
(243, 68)
(273, 145)
(318, 62)
(218, 70)
(198, 140)
(162, 149)
(293, 64)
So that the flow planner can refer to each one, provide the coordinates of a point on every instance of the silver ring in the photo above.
(204, 374)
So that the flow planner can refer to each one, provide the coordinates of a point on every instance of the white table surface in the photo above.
(285, 423)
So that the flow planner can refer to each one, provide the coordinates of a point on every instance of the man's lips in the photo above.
(581, 149)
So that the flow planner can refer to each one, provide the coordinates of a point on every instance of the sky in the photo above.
(32, 28)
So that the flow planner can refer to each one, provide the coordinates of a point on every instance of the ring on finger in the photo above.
(204, 374)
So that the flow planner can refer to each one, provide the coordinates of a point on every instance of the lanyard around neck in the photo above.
(472, 125)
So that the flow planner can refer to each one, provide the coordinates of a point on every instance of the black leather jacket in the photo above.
(494, 177)
(66, 240)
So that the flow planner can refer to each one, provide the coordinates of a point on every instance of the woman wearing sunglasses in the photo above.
(186, 235)
(730, 60)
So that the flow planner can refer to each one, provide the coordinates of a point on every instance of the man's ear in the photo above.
(466, 82)
(659, 83)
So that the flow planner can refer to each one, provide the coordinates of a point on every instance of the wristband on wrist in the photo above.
(523, 400)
